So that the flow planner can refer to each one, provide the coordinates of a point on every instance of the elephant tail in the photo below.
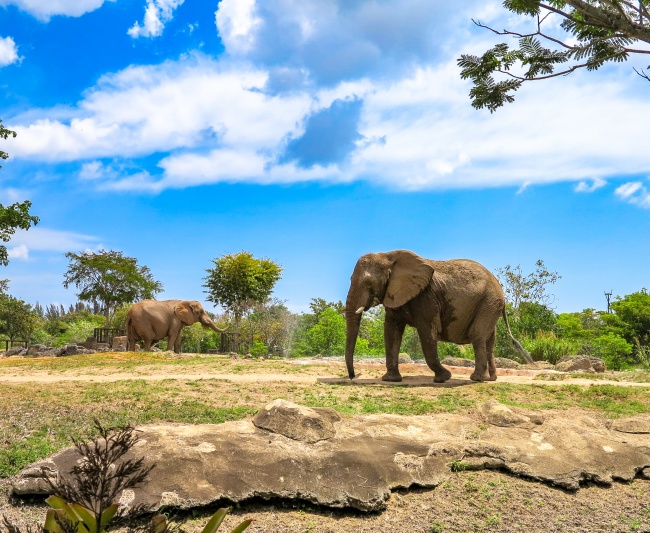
(522, 351)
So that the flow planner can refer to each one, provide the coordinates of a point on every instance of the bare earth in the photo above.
(468, 501)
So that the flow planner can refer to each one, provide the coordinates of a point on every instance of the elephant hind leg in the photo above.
(491, 363)
(481, 372)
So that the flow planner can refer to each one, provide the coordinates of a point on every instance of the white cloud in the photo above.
(44, 239)
(8, 51)
(634, 192)
(338, 40)
(156, 15)
(215, 121)
(585, 186)
(46, 9)
(20, 252)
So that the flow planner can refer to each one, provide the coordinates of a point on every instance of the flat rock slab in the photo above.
(366, 456)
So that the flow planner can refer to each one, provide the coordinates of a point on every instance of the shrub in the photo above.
(547, 347)
(86, 501)
(614, 350)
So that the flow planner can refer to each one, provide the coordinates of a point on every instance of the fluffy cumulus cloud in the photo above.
(157, 13)
(44, 10)
(340, 91)
(8, 51)
(338, 40)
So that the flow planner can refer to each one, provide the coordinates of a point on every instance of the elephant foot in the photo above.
(442, 376)
(480, 376)
(392, 376)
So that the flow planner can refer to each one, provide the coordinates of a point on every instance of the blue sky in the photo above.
(310, 133)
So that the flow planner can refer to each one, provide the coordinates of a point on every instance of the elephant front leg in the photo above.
(430, 350)
(393, 333)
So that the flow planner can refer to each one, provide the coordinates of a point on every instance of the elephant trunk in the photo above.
(207, 322)
(353, 321)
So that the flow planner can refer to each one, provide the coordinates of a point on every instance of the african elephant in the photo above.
(457, 301)
(151, 320)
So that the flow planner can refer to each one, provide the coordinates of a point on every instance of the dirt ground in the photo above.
(466, 501)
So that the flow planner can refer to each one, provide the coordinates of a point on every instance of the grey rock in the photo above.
(504, 362)
(35, 349)
(501, 415)
(580, 363)
(638, 424)
(198, 465)
(16, 350)
(405, 359)
(296, 421)
(458, 361)
(119, 343)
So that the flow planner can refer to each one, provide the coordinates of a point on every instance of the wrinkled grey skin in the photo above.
(151, 320)
(456, 301)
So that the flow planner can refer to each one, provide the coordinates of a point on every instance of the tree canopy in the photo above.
(595, 32)
(109, 278)
(13, 217)
(239, 281)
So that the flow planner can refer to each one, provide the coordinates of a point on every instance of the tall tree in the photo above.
(17, 318)
(595, 32)
(239, 281)
(530, 288)
(15, 216)
(110, 279)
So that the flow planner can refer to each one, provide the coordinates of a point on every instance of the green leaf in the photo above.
(216, 520)
(108, 515)
(56, 502)
(241, 527)
(51, 525)
(87, 518)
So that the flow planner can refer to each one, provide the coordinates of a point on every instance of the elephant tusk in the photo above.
(359, 311)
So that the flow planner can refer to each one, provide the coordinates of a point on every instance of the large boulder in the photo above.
(580, 363)
(366, 457)
(297, 422)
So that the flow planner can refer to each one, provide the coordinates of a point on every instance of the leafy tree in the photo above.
(13, 217)
(270, 325)
(595, 32)
(17, 318)
(109, 278)
(520, 288)
(634, 311)
(327, 337)
(239, 281)
(614, 350)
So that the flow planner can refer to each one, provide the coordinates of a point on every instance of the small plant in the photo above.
(85, 501)
(459, 466)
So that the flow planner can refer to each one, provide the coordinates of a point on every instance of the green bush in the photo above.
(449, 349)
(547, 347)
(614, 350)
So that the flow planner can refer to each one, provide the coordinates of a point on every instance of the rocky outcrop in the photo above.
(290, 451)
(40, 350)
(580, 363)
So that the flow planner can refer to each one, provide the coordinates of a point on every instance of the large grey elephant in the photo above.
(151, 320)
(457, 301)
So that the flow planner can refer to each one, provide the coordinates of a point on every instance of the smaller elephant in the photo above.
(151, 320)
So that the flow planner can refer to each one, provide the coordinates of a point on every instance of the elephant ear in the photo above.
(183, 311)
(409, 276)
